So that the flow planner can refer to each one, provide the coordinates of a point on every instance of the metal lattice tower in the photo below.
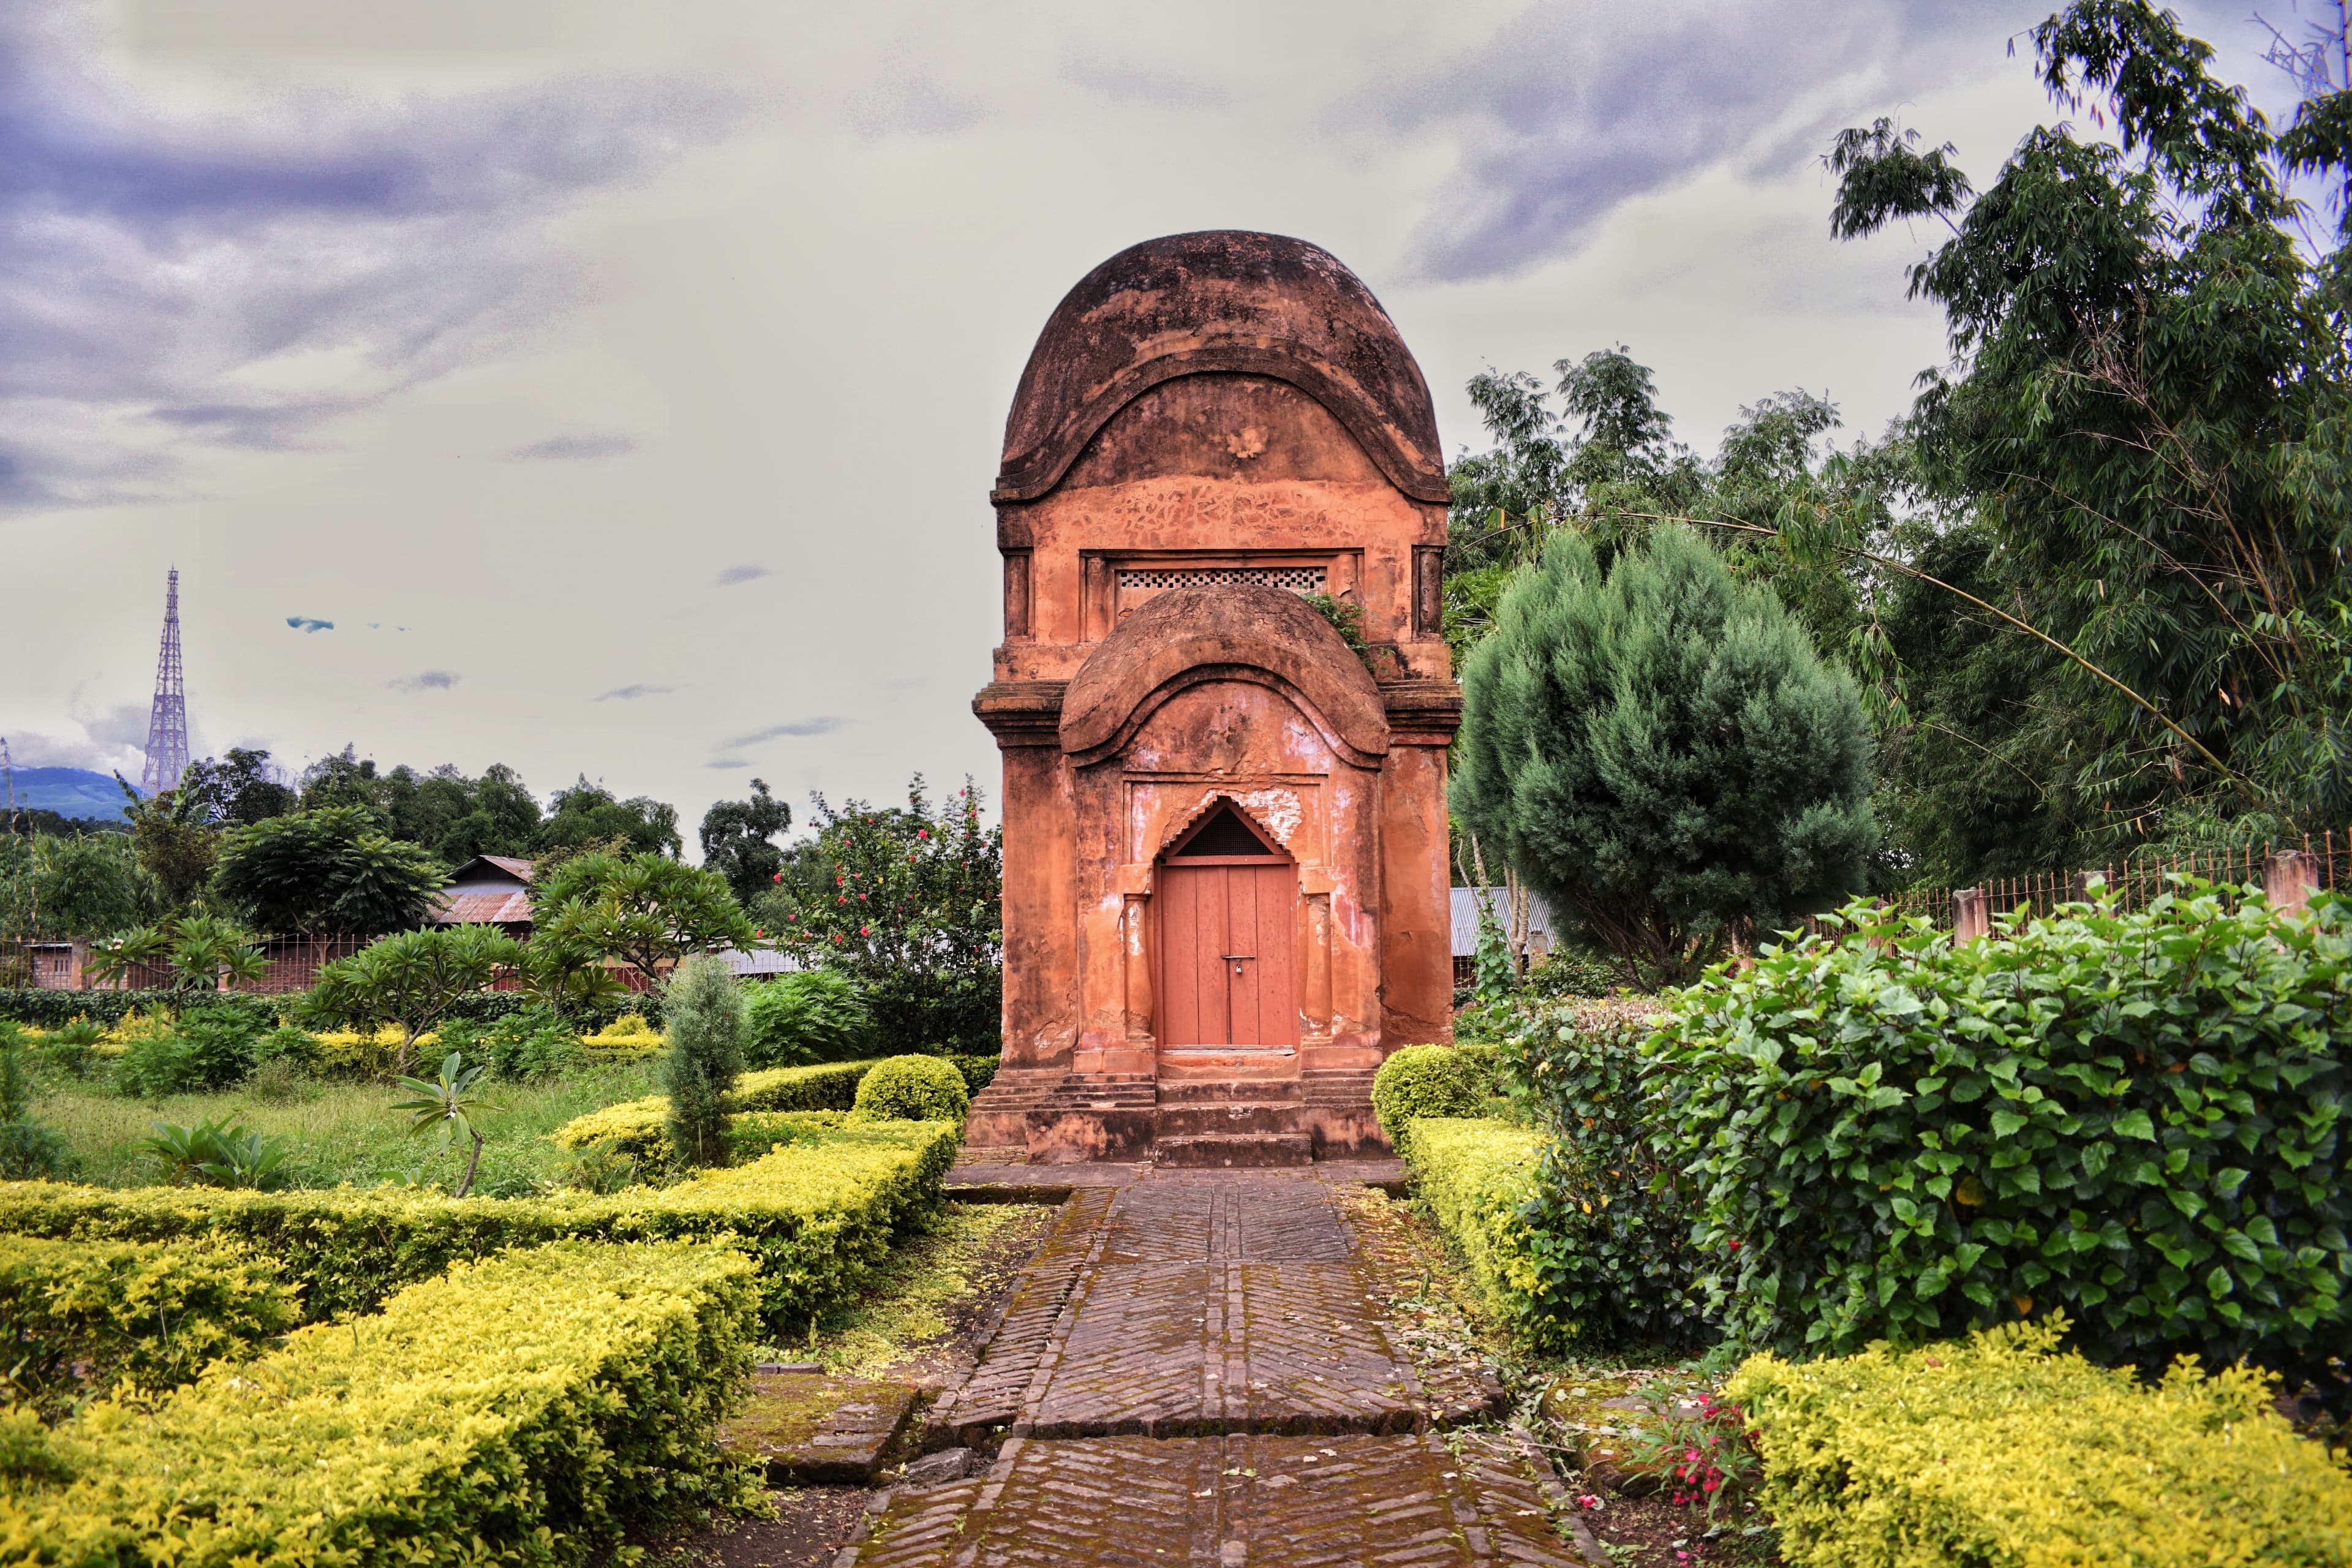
(167, 721)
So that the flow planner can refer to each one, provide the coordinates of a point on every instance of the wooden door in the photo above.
(1228, 943)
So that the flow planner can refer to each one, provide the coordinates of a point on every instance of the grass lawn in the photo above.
(346, 1132)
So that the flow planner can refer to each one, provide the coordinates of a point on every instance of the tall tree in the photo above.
(702, 1007)
(2145, 417)
(1661, 753)
(328, 870)
(237, 790)
(590, 815)
(739, 841)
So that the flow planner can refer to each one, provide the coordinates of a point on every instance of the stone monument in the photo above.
(1225, 882)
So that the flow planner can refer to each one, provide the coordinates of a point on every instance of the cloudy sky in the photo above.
(610, 388)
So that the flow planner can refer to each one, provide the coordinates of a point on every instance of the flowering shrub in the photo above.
(914, 917)
(1702, 1446)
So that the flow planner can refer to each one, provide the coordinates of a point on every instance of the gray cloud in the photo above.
(560, 448)
(778, 731)
(430, 681)
(311, 624)
(745, 574)
(1569, 111)
(1127, 82)
(725, 763)
(152, 255)
(631, 693)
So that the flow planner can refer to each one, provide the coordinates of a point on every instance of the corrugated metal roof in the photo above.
(492, 906)
(509, 863)
(1466, 919)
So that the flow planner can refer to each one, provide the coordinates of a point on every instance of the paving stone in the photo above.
(814, 1430)
(1202, 1368)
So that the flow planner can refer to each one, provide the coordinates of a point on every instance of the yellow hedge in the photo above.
(639, 1127)
(1997, 1450)
(817, 1215)
(1474, 1174)
(537, 1408)
(77, 1317)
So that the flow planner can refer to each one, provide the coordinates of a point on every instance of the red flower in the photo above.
(922, 833)
(865, 931)
(777, 878)
(1734, 1246)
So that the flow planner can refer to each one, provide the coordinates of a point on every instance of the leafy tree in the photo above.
(238, 790)
(702, 1007)
(175, 841)
(588, 815)
(327, 869)
(412, 980)
(648, 910)
(454, 815)
(738, 841)
(911, 906)
(444, 1104)
(2146, 421)
(88, 885)
(1661, 754)
(202, 952)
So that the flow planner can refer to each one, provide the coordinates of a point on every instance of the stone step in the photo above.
(1221, 1091)
(1190, 1119)
(1196, 1062)
(1215, 1150)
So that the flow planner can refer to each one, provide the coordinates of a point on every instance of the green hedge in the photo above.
(1995, 1450)
(2139, 1119)
(816, 1216)
(641, 1127)
(913, 1088)
(49, 1009)
(1477, 1176)
(1418, 1082)
(78, 1317)
(537, 1408)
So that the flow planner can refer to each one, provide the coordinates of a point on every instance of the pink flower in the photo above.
(777, 878)
(922, 833)
(865, 931)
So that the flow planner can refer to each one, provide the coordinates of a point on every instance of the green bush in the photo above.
(814, 1016)
(705, 1005)
(1477, 1176)
(525, 1045)
(818, 1217)
(1609, 1222)
(979, 1071)
(913, 1088)
(540, 1408)
(204, 1052)
(1997, 1450)
(1419, 1081)
(48, 1010)
(641, 1127)
(77, 1318)
(2137, 1119)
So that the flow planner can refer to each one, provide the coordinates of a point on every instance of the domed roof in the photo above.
(1230, 300)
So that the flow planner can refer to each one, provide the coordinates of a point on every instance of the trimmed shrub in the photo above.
(78, 1317)
(1477, 1176)
(1420, 1082)
(55, 1009)
(1997, 1450)
(1609, 1221)
(913, 1088)
(814, 1016)
(705, 1007)
(977, 1071)
(536, 1409)
(817, 1218)
(2137, 1118)
(640, 1126)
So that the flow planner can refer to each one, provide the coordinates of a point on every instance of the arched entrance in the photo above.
(1228, 919)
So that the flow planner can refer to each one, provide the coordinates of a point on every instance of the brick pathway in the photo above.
(1198, 1369)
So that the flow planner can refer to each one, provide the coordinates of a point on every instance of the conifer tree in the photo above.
(703, 1007)
(1661, 753)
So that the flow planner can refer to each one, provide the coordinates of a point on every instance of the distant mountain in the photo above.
(69, 792)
